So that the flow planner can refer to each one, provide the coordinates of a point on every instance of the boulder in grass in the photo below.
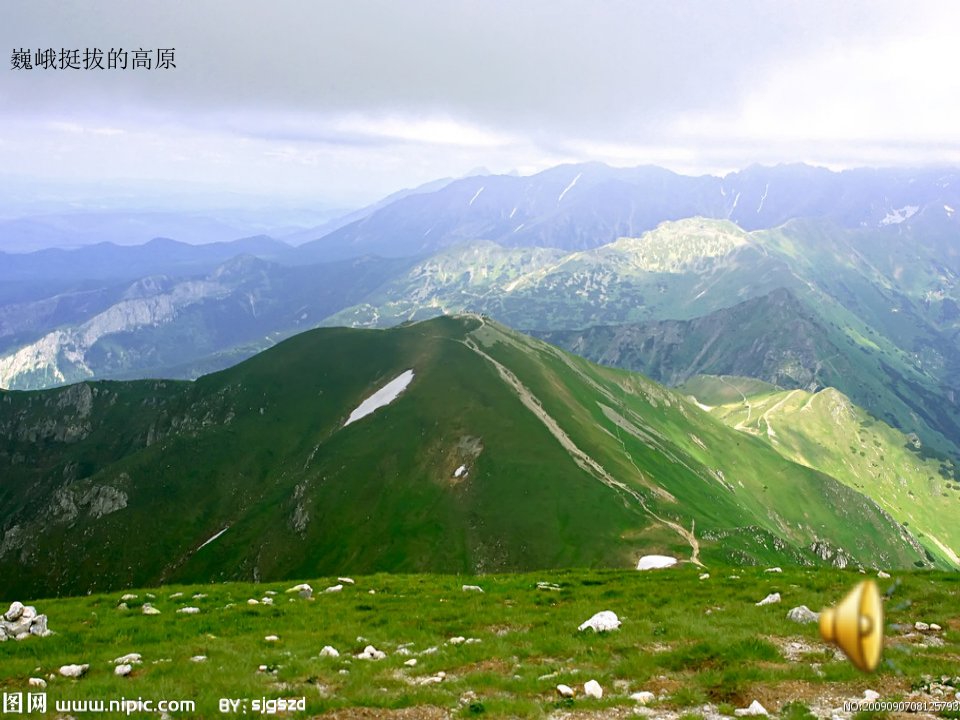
(188, 610)
(300, 588)
(36, 682)
(123, 670)
(149, 609)
(129, 659)
(329, 651)
(603, 621)
(592, 688)
(769, 599)
(14, 613)
(644, 697)
(803, 615)
(565, 691)
(371, 653)
(334, 588)
(472, 588)
(74, 671)
(755, 709)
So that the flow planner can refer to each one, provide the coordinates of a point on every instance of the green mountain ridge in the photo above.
(503, 453)
(826, 431)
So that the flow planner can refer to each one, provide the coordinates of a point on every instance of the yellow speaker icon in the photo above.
(856, 626)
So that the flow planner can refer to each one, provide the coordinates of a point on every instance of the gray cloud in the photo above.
(544, 80)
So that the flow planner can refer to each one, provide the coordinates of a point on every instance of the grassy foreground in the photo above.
(702, 647)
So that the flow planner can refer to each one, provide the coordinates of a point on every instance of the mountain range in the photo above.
(494, 451)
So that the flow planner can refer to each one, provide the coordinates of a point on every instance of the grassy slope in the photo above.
(688, 641)
(261, 449)
(828, 432)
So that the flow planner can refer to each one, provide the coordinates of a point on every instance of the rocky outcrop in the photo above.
(21, 622)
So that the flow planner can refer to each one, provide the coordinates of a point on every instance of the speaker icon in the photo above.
(856, 626)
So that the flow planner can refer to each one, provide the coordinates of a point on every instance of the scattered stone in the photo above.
(123, 606)
(644, 697)
(272, 638)
(755, 709)
(344, 672)
(151, 596)
(198, 658)
(371, 653)
(176, 595)
(329, 651)
(123, 670)
(882, 575)
(870, 696)
(270, 592)
(129, 659)
(411, 662)
(592, 688)
(262, 668)
(128, 597)
(306, 595)
(345, 580)
(921, 626)
(602, 622)
(774, 570)
(456, 640)
(37, 683)
(188, 610)
(935, 628)
(704, 576)
(74, 671)
(472, 588)
(473, 641)
(253, 601)
(199, 596)
(565, 691)
(429, 651)
(656, 562)
(334, 588)
(548, 586)
(803, 615)
(300, 588)
(770, 599)
(38, 626)
(149, 609)
(734, 577)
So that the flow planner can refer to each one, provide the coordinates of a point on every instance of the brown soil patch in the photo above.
(494, 665)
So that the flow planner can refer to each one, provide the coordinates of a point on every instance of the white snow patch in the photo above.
(895, 217)
(460, 471)
(477, 195)
(214, 537)
(736, 199)
(512, 213)
(382, 397)
(765, 191)
(656, 562)
(949, 210)
(519, 227)
(568, 187)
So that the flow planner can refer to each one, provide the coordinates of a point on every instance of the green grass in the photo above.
(668, 644)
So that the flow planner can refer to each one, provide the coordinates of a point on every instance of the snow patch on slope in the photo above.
(214, 538)
(568, 187)
(895, 217)
(477, 195)
(382, 397)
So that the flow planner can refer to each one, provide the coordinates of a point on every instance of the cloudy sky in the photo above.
(349, 100)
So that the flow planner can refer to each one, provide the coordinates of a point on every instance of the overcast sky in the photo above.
(350, 100)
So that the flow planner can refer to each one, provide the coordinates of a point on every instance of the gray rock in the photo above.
(592, 688)
(123, 670)
(15, 611)
(802, 614)
(644, 697)
(39, 626)
(74, 671)
(770, 599)
(565, 691)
